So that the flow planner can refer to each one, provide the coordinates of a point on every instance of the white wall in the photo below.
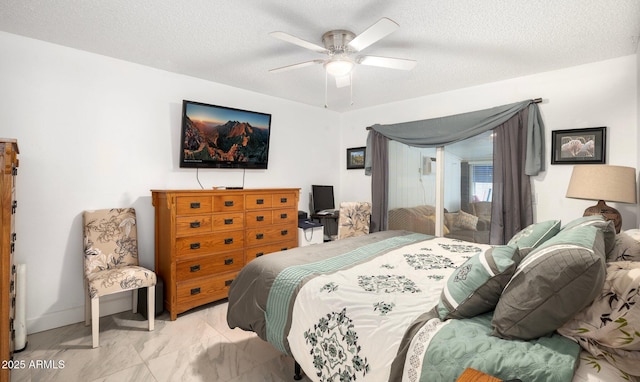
(96, 132)
(599, 94)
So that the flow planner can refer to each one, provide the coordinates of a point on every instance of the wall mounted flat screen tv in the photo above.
(222, 137)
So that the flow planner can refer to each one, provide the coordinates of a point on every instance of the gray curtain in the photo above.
(446, 130)
(511, 207)
(379, 181)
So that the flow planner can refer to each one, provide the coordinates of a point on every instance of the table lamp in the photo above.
(603, 182)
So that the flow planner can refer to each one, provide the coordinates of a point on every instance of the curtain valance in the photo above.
(442, 131)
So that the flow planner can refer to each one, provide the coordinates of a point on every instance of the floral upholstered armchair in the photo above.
(111, 262)
(354, 219)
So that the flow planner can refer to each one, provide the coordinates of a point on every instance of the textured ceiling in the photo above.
(456, 43)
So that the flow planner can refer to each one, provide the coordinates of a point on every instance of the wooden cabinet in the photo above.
(8, 204)
(204, 237)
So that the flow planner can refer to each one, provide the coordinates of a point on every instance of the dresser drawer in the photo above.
(209, 265)
(258, 251)
(285, 216)
(285, 199)
(200, 291)
(193, 205)
(228, 203)
(270, 234)
(193, 225)
(258, 201)
(228, 221)
(259, 218)
(206, 244)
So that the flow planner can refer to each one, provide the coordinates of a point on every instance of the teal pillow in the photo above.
(534, 235)
(476, 285)
(552, 283)
(606, 226)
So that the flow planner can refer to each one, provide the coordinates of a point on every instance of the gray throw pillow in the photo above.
(551, 284)
(606, 226)
(534, 235)
(475, 287)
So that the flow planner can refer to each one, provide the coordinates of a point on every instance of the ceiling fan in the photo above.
(340, 45)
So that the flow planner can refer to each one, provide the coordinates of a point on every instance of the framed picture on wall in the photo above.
(355, 157)
(579, 146)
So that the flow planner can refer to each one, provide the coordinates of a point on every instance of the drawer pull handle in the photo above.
(195, 205)
(284, 249)
(228, 221)
(195, 224)
(284, 232)
(195, 268)
(13, 247)
(195, 291)
(228, 203)
(283, 200)
(14, 206)
(283, 216)
(228, 282)
(228, 240)
(260, 218)
(194, 246)
(260, 201)
(259, 236)
(228, 261)
(259, 254)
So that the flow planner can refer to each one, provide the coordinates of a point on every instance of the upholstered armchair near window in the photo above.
(354, 219)
(111, 263)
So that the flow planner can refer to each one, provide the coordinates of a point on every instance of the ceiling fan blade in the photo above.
(376, 32)
(296, 66)
(387, 62)
(343, 81)
(298, 41)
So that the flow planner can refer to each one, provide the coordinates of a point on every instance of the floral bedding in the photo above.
(367, 313)
(609, 328)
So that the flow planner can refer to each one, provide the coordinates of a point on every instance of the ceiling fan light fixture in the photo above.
(338, 67)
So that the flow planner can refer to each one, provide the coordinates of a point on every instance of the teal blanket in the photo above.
(459, 344)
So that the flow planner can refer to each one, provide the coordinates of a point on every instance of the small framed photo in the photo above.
(355, 157)
(579, 146)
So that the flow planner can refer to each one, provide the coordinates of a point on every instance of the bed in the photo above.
(402, 306)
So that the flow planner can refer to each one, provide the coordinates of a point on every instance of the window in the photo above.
(481, 182)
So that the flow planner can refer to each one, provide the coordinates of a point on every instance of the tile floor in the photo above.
(198, 346)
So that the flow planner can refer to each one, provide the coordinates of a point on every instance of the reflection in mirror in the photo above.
(467, 173)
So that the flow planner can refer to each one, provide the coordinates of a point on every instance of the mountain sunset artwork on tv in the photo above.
(222, 137)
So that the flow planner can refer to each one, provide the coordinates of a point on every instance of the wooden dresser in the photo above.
(9, 166)
(204, 237)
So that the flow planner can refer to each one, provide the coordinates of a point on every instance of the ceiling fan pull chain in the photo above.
(325, 89)
(351, 88)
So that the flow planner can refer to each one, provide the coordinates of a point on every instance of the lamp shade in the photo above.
(603, 182)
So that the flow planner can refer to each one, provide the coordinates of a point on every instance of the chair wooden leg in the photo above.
(151, 309)
(95, 320)
(87, 307)
(135, 300)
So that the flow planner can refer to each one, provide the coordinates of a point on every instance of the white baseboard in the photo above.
(108, 305)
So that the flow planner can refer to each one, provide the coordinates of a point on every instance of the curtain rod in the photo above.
(535, 100)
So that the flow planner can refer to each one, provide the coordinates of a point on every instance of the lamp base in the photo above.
(608, 213)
